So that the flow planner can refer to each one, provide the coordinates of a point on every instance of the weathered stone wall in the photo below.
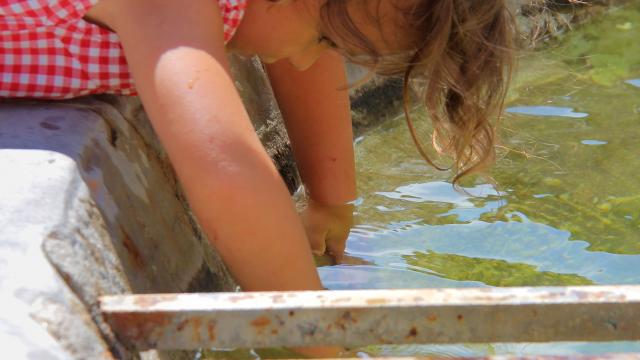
(57, 255)
(100, 213)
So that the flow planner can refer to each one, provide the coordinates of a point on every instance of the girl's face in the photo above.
(280, 30)
(291, 29)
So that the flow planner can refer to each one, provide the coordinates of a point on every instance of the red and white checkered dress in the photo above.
(48, 51)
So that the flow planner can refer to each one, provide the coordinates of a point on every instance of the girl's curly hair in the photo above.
(459, 52)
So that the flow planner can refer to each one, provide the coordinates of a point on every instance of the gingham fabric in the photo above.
(48, 51)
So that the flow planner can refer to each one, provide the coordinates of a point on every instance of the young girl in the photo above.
(173, 55)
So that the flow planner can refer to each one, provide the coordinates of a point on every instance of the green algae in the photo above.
(568, 207)
(490, 271)
(608, 48)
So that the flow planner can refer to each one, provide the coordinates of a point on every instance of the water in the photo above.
(556, 111)
(567, 207)
(566, 210)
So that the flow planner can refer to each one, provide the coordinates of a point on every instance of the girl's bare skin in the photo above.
(181, 72)
(176, 54)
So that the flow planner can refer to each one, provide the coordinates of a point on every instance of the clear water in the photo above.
(567, 208)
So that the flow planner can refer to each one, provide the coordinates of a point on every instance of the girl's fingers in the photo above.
(336, 245)
(317, 240)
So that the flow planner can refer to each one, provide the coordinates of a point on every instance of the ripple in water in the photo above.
(546, 111)
(593, 142)
(440, 191)
(634, 82)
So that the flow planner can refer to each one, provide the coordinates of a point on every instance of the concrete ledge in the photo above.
(45, 212)
(88, 209)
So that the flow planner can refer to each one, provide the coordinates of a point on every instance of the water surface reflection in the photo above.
(568, 207)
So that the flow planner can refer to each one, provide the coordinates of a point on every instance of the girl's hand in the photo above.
(327, 227)
(315, 107)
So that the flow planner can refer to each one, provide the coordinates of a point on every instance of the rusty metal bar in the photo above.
(355, 318)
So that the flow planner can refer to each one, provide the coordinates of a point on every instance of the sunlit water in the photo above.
(566, 210)
(567, 206)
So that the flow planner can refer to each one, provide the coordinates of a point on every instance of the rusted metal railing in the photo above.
(355, 318)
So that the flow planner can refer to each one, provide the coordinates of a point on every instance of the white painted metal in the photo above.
(354, 318)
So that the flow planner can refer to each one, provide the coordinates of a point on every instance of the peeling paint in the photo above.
(261, 321)
(315, 318)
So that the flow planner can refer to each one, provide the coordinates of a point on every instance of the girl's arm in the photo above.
(316, 111)
(176, 54)
(315, 107)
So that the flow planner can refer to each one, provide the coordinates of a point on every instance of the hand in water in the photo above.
(327, 227)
